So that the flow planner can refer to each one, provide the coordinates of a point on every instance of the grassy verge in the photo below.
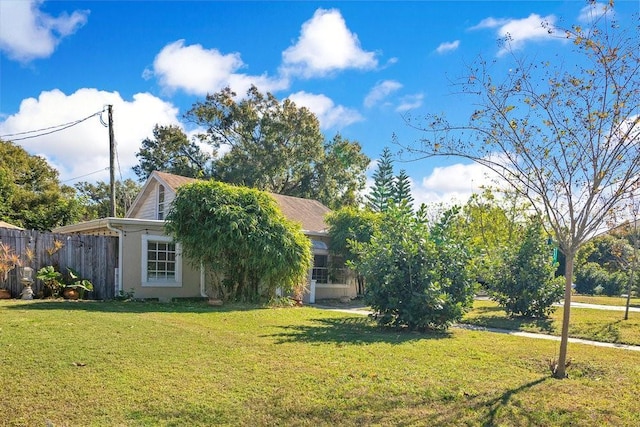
(591, 324)
(591, 299)
(133, 363)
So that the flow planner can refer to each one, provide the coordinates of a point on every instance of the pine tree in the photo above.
(402, 190)
(383, 188)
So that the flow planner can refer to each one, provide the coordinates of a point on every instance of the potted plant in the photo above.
(52, 280)
(8, 260)
(76, 286)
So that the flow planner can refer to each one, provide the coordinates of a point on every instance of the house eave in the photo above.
(104, 225)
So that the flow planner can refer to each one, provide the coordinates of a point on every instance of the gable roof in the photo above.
(308, 213)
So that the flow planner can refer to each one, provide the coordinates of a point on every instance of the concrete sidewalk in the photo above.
(601, 307)
(364, 312)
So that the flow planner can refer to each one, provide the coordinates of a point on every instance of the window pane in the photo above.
(161, 261)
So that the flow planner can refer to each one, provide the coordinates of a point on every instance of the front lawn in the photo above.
(586, 323)
(129, 363)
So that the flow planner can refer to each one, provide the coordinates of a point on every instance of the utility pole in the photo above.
(112, 172)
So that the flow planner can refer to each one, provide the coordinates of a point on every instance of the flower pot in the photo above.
(70, 293)
(5, 294)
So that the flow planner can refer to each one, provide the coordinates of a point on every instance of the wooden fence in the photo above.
(94, 257)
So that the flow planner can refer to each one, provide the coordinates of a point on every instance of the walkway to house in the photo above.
(364, 312)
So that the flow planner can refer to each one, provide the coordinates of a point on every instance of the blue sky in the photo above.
(360, 66)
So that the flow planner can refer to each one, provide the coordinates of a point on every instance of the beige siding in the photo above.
(147, 205)
(132, 270)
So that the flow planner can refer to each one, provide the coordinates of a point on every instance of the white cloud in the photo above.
(593, 11)
(453, 184)
(380, 91)
(198, 71)
(517, 32)
(489, 23)
(325, 46)
(84, 149)
(448, 47)
(330, 115)
(410, 102)
(26, 33)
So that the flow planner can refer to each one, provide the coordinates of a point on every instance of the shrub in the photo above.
(416, 277)
(591, 278)
(525, 284)
(240, 234)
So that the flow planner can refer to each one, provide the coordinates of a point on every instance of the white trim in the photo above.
(145, 282)
(162, 204)
(332, 285)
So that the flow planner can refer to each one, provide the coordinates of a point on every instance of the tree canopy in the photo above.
(31, 195)
(348, 227)
(95, 198)
(564, 134)
(171, 151)
(241, 236)
(276, 146)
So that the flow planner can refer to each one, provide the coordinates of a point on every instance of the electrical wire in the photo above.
(82, 176)
(49, 130)
(115, 147)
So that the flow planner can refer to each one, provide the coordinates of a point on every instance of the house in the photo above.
(150, 263)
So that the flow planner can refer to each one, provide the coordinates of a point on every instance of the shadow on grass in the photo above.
(351, 330)
(502, 401)
(495, 317)
(609, 332)
(182, 306)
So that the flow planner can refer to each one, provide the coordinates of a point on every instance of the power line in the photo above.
(49, 130)
(88, 174)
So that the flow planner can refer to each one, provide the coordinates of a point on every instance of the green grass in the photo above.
(591, 299)
(586, 323)
(130, 363)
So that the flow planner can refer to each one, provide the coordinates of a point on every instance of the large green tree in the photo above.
(242, 237)
(171, 151)
(96, 199)
(493, 225)
(562, 131)
(277, 146)
(31, 193)
(348, 227)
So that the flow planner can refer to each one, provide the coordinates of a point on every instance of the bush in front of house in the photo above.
(241, 236)
(417, 276)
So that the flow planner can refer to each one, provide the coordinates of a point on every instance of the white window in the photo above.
(320, 272)
(161, 262)
(160, 203)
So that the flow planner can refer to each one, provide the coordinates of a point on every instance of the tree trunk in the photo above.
(560, 371)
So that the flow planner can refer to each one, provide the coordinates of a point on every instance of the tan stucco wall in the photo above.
(131, 270)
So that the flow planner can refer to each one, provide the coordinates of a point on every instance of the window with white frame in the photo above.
(320, 272)
(161, 261)
(160, 204)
